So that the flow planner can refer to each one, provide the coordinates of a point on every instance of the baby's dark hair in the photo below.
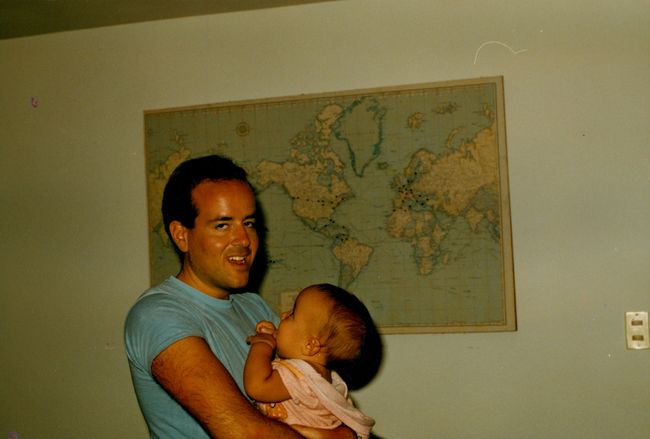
(347, 328)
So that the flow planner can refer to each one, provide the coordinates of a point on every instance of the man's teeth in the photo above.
(237, 259)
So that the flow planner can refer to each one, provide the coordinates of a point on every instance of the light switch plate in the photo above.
(636, 330)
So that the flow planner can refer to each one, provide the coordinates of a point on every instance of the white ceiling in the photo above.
(20, 18)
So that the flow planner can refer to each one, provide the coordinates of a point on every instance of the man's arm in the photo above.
(190, 372)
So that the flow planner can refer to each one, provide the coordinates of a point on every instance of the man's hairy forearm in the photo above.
(197, 380)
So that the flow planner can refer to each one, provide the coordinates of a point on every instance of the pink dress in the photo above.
(314, 401)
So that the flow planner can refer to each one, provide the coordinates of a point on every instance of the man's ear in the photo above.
(311, 347)
(178, 233)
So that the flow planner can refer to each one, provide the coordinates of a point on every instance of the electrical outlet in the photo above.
(636, 330)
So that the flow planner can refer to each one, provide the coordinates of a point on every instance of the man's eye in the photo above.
(250, 224)
(220, 226)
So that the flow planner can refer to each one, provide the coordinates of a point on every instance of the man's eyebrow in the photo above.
(230, 218)
(220, 218)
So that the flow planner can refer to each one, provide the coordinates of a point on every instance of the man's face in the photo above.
(220, 249)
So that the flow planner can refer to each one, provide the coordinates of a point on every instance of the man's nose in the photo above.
(241, 236)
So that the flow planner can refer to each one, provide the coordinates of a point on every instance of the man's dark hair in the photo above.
(177, 203)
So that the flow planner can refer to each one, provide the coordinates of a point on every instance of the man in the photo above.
(186, 337)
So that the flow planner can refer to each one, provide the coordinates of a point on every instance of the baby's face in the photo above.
(302, 323)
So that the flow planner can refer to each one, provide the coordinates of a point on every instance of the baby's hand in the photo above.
(261, 338)
(265, 327)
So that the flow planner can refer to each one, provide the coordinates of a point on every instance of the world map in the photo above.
(398, 194)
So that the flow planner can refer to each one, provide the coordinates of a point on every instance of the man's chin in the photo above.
(240, 285)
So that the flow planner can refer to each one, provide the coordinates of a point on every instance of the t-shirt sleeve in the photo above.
(154, 323)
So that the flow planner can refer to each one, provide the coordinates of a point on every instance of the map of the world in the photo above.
(398, 194)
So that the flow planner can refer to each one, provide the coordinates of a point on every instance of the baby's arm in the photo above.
(264, 384)
(261, 382)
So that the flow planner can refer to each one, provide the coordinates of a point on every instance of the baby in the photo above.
(325, 330)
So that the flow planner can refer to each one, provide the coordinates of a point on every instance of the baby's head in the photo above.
(346, 326)
(326, 320)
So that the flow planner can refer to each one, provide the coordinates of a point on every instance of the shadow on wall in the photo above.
(364, 369)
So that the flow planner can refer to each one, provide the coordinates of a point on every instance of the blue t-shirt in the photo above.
(170, 312)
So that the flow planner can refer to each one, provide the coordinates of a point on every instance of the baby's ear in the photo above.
(311, 347)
